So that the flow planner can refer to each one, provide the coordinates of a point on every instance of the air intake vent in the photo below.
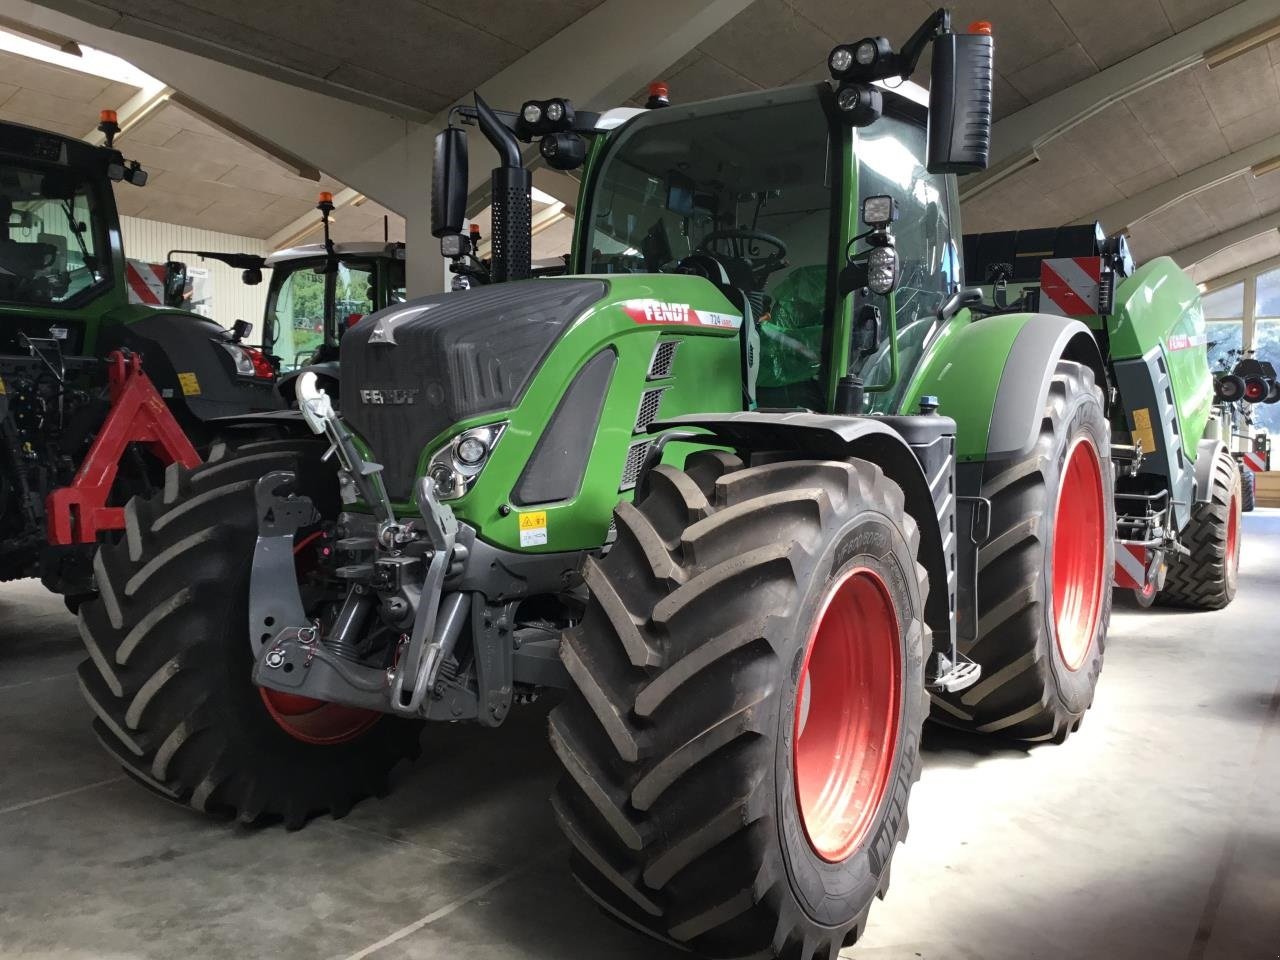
(635, 460)
(664, 354)
(650, 401)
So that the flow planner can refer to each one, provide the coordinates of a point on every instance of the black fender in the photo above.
(328, 373)
(917, 453)
(1024, 383)
(173, 343)
(1206, 451)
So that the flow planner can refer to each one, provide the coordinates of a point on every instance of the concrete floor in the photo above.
(1154, 833)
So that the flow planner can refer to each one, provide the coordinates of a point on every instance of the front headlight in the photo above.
(882, 270)
(456, 465)
(240, 357)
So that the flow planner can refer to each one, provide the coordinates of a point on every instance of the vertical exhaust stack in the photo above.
(512, 227)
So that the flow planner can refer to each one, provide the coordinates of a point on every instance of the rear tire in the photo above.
(1206, 580)
(692, 706)
(168, 673)
(1040, 665)
(1248, 489)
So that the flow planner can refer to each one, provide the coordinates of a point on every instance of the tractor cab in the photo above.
(309, 305)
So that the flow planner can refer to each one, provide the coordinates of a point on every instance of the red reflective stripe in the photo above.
(1061, 293)
(138, 284)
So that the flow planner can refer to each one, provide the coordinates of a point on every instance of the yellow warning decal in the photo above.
(3, 391)
(533, 529)
(1142, 432)
(190, 384)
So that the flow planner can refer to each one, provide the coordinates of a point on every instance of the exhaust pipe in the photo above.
(510, 236)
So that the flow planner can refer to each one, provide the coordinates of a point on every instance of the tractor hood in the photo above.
(412, 370)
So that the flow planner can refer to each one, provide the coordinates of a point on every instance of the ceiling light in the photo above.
(1265, 167)
(96, 63)
(1260, 35)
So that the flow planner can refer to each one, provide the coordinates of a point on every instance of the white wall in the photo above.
(151, 240)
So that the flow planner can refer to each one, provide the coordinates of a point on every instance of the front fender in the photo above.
(991, 375)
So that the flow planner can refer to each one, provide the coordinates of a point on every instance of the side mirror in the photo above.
(252, 277)
(960, 102)
(175, 283)
(449, 174)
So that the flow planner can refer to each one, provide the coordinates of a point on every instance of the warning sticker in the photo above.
(533, 529)
(3, 391)
(190, 384)
(1142, 432)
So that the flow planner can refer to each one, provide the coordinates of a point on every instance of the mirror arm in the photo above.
(908, 57)
(964, 297)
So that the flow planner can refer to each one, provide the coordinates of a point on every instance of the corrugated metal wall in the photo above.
(151, 240)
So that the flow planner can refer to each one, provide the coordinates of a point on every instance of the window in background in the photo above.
(1266, 341)
(1224, 311)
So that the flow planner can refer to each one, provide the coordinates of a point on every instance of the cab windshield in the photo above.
(51, 236)
(296, 299)
(739, 190)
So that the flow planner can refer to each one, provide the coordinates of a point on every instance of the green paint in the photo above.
(1159, 306)
(962, 368)
(705, 377)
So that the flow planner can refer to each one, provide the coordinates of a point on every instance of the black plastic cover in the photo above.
(554, 472)
(1024, 249)
(960, 91)
(449, 357)
(449, 174)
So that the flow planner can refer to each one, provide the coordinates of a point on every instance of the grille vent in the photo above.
(635, 460)
(650, 401)
(664, 354)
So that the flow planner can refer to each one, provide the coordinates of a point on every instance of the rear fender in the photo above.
(917, 453)
(991, 375)
(1206, 452)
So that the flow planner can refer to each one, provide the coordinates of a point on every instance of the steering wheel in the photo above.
(744, 245)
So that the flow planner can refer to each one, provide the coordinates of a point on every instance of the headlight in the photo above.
(532, 113)
(866, 53)
(555, 111)
(882, 270)
(841, 59)
(456, 465)
(240, 357)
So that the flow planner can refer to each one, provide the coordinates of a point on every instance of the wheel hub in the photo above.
(848, 704)
(1079, 549)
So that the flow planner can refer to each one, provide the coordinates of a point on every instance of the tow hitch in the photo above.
(79, 512)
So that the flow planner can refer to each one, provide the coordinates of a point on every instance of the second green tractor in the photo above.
(758, 486)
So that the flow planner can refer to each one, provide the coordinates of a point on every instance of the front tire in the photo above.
(1044, 575)
(1206, 580)
(742, 730)
(169, 667)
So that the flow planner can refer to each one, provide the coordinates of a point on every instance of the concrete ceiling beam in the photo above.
(1189, 256)
(1016, 138)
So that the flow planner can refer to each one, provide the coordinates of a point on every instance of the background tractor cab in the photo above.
(80, 426)
(315, 293)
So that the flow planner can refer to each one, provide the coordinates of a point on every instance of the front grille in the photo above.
(457, 356)
(664, 354)
(650, 401)
(635, 460)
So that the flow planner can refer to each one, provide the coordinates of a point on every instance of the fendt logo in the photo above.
(394, 396)
(660, 311)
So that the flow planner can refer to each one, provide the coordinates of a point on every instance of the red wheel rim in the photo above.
(1079, 549)
(316, 721)
(846, 717)
(1233, 534)
(307, 719)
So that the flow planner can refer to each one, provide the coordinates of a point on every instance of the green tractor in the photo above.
(753, 485)
(97, 393)
(316, 292)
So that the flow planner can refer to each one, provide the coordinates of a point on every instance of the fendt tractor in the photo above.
(752, 485)
(316, 292)
(97, 395)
